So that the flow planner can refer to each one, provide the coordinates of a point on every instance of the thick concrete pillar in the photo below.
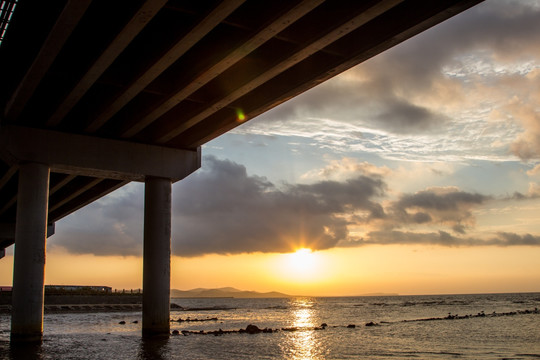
(157, 257)
(29, 261)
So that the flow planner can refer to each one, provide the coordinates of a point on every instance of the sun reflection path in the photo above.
(304, 344)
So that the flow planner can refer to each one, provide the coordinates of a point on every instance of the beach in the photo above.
(490, 326)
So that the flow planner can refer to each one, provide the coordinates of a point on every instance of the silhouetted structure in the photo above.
(99, 93)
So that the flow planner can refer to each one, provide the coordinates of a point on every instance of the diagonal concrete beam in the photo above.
(96, 157)
(68, 20)
(8, 175)
(275, 98)
(359, 20)
(226, 62)
(141, 18)
(220, 12)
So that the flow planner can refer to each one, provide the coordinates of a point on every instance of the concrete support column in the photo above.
(157, 257)
(29, 261)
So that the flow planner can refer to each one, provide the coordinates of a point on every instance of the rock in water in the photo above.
(252, 329)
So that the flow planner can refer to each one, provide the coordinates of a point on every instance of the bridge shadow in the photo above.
(24, 351)
(153, 349)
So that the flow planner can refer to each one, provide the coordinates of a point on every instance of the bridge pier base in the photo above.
(157, 257)
(29, 260)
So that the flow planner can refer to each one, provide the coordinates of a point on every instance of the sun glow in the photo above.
(302, 264)
(302, 259)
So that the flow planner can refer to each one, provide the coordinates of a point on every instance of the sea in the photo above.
(486, 326)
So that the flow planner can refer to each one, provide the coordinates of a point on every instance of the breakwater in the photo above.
(83, 303)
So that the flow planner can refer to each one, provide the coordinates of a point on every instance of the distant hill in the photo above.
(226, 292)
(380, 294)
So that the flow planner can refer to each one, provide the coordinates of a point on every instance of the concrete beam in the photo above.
(68, 20)
(225, 63)
(216, 16)
(96, 157)
(361, 19)
(137, 23)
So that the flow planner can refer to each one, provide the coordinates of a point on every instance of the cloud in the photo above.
(465, 89)
(399, 116)
(395, 237)
(223, 210)
(110, 226)
(527, 145)
(438, 206)
(511, 239)
(442, 95)
(441, 238)
(532, 193)
(535, 171)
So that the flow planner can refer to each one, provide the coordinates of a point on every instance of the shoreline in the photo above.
(86, 308)
(82, 303)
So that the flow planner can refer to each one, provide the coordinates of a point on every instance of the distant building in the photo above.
(103, 289)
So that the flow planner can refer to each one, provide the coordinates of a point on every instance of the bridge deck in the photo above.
(177, 73)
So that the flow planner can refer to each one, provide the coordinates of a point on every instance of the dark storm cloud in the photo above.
(223, 210)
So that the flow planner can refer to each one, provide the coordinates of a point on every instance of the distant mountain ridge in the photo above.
(226, 292)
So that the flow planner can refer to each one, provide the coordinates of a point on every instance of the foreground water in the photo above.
(510, 330)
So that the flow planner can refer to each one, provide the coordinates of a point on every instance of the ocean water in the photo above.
(491, 326)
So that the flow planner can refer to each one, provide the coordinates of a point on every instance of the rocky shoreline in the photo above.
(254, 329)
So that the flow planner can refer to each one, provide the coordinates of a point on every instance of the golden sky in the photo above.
(348, 272)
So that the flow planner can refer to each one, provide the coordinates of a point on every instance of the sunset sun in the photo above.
(302, 264)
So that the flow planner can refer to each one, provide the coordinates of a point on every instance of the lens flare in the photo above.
(240, 116)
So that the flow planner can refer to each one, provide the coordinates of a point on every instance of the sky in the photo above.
(415, 172)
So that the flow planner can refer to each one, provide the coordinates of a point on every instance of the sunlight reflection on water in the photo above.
(88, 336)
(303, 344)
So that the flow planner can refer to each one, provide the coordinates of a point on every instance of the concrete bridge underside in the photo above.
(98, 93)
